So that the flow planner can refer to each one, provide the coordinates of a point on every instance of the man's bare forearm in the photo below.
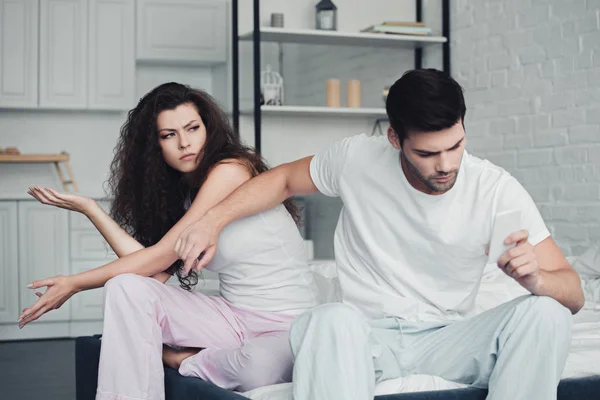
(259, 194)
(264, 192)
(564, 286)
(256, 195)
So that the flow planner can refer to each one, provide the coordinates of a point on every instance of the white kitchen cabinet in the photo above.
(43, 251)
(89, 250)
(182, 31)
(63, 54)
(39, 241)
(87, 305)
(19, 53)
(111, 67)
(89, 245)
(9, 278)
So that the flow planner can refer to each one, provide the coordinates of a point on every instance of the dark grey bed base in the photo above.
(177, 387)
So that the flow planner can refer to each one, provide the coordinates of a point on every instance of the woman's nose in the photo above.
(183, 142)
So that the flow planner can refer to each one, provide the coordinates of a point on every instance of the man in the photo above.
(410, 246)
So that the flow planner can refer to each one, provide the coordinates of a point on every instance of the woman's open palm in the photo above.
(67, 201)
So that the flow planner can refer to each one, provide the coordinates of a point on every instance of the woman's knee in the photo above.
(123, 282)
(133, 287)
(262, 366)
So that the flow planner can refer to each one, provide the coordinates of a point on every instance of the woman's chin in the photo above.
(186, 168)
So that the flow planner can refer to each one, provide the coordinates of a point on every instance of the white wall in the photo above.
(531, 71)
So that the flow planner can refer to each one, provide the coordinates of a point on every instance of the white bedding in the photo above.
(496, 288)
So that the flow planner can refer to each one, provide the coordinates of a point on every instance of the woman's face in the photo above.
(181, 135)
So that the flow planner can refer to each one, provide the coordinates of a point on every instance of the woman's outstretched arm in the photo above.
(117, 238)
(221, 181)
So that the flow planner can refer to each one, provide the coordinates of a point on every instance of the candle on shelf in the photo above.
(353, 93)
(334, 93)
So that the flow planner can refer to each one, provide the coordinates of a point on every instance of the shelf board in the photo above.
(299, 111)
(282, 35)
(33, 158)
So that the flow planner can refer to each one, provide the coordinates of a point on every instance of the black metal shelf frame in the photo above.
(418, 60)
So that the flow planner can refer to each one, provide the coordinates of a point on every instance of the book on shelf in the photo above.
(399, 28)
(403, 23)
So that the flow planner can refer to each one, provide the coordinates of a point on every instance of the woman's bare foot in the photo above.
(173, 357)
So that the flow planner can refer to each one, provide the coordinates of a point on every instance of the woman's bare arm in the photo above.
(221, 181)
(117, 238)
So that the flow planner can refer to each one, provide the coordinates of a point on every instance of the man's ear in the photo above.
(393, 138)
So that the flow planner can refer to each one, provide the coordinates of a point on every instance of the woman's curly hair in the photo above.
(149, 195)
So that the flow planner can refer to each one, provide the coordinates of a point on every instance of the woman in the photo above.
(177, 157)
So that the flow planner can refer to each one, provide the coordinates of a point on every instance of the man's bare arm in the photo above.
(260, 193)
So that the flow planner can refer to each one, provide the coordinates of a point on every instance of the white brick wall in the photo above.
(531, 73)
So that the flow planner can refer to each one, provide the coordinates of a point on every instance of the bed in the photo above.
(580, 379)
(178, 387)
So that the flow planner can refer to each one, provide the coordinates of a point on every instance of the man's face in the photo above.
(431, 160)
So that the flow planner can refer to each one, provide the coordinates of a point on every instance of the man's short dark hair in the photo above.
(424, 100)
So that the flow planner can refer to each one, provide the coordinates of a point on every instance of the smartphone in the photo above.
(505, 223)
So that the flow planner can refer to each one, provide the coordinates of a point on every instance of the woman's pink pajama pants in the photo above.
(243, 349)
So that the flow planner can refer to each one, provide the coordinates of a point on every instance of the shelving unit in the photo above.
(56, 159)
(319, 111)
(34, 158)
(336, 38)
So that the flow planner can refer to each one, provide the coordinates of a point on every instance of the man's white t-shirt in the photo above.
(403, 253)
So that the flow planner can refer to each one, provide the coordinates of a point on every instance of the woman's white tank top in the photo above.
(262, 264)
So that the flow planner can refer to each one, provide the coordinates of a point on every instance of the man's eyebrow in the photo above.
(438, 152)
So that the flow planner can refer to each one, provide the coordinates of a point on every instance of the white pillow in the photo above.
(587, 265)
